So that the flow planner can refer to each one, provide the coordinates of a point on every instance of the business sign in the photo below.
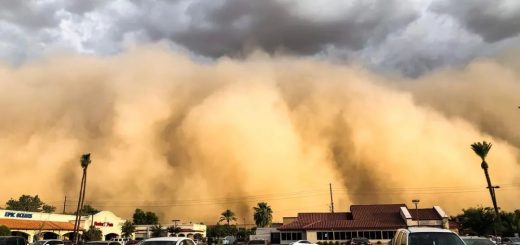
(104, 224)
(18, 215)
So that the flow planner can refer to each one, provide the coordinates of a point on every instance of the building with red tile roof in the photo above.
(376, 222)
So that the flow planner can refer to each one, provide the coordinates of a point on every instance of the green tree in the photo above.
(145, 218)
(30, 204)
(88, 210)
(93, 234)
(219, 230)
(477, 220)
(157, 230)
(228, 216)
(263, 214)
(127, 229)
(4, 230)
(174, 229)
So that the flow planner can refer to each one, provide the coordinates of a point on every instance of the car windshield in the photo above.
(39, 243)
(434, 238)
(306, 242)
(477, 241)
(514, 239)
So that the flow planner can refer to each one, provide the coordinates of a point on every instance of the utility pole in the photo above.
(64, 204)
(331, 200)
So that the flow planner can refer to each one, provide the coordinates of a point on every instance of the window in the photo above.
(319, 235)
(348, 235)
(342, 235)
(284, 236)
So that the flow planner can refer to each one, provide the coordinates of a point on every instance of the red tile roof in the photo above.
(386, 216)
(425, 214)
(36, 225)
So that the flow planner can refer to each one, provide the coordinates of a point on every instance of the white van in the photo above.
(426, 236)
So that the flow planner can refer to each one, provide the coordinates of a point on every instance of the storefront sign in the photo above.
(104, 224)
(18, 215)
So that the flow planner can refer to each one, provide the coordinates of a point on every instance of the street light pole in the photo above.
(416, 201)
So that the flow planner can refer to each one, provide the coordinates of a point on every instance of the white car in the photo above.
(167, 241)
(302, 242)
(426, 236)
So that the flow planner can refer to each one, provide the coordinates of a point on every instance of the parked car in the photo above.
(52, 242)
(426, 236)
(511, 240)
(475, 240)
(359, 241)
(229, 240)
(167, 241)
(258, 242)
(12, 240)
(102, 243)
(302, 242)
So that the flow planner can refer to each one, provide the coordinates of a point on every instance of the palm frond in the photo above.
(481, 149)
(85, 160)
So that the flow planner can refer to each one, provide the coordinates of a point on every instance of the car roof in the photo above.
(173, 239)
(473, 237)
(428, 229)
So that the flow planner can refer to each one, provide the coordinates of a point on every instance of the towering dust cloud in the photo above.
(189, 140)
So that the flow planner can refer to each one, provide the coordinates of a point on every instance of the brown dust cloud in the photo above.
(189, 139)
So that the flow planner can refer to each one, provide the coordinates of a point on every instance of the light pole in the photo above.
(416, 202)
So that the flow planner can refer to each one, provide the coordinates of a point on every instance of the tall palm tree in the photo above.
(482, 149)
(84, 161)
(263, 214)
(228, 216)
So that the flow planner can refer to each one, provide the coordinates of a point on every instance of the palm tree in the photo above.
(85, 161)
(228, 216)
(263, 214)
(482, 149)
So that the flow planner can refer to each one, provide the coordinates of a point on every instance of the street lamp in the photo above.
(416, 202)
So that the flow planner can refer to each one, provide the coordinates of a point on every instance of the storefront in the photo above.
(35, 226)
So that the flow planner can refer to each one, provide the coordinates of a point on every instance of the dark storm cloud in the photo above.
(274, 25)
(409, 37)
(493, 20)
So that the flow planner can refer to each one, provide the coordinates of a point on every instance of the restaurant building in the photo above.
(375, 222)
(35, 226)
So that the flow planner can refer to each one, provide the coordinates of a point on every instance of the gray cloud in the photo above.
(493, 20)
(408, 37)
(271, 25)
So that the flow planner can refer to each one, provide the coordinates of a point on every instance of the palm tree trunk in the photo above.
(78, 215)
(494, 200)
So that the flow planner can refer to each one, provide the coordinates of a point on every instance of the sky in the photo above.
(193, 107)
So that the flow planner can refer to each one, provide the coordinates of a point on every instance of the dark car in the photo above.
(12, 240)
(359, 241)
